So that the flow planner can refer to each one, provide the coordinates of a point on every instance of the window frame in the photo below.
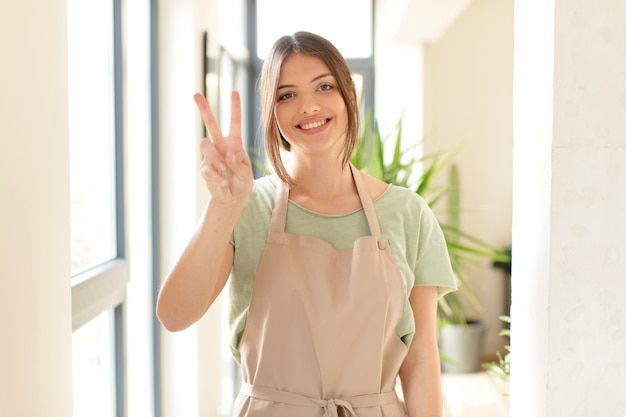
(103, 286)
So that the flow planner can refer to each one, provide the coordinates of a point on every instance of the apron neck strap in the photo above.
(281, 199)
(279, 213)
(366, 202)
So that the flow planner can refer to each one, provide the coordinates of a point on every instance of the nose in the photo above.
(309, 104)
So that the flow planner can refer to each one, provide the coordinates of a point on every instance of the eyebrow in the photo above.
(312, 81)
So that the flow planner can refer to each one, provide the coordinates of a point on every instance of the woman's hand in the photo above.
(226, 166)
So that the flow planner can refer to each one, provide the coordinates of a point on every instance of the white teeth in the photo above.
(313, 125)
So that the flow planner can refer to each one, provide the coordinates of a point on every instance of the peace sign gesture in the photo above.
(225, 167)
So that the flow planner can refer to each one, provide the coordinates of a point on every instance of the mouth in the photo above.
(313, 125)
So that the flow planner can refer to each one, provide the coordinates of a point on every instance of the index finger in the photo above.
(210, 122)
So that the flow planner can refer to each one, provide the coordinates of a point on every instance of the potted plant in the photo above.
(460, 338)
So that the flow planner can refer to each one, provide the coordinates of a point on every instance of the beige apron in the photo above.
(320, 338)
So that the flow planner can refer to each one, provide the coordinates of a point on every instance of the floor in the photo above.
(474, 395)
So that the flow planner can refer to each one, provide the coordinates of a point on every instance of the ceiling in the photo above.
(420, 21)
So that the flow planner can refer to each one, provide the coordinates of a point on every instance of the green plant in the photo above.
(399, 169)
(502, 368)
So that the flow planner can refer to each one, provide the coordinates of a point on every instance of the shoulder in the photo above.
(396, 199)
(254, 220)
(380, 190)
(375, 186)
(403, 201)
(263, 184)
(405, 211)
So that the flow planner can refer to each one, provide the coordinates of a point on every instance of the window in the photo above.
(347, 24)
(99, 270)
(94, 368)
(92, 133)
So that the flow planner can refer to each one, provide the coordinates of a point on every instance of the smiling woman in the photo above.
(311, 82)
(334, 275)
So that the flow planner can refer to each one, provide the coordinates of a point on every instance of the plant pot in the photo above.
(461, 346)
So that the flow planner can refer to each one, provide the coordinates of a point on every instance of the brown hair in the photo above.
(317, 46)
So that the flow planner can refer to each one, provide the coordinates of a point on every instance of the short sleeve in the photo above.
(432, 264)
(416, 239)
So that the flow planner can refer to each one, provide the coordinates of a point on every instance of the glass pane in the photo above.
(347, 24)
(92, 137)
(358, 84)
(93, 368)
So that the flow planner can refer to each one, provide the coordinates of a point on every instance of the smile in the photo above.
(313, 125)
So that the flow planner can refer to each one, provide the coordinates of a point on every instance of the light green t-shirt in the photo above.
(406, 221)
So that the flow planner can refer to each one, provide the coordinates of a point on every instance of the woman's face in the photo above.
(310, 110)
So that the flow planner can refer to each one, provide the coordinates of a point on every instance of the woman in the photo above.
(335, 274)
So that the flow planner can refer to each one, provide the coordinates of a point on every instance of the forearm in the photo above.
(421, 386)
(420, 373)
(201, 271)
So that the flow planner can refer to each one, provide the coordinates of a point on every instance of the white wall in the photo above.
(568, 313)
(468, 97)
(35, 305)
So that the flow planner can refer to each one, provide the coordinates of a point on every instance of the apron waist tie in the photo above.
(330, 406)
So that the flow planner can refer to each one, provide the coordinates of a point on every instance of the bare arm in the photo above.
(420, 373)
(203, 268)
(200, 273)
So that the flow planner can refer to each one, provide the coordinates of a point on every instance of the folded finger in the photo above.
(211, 155)
(239, 164)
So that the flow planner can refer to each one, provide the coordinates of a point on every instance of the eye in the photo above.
(285, 96)
(326, 87)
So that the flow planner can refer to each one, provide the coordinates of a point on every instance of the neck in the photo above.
(322, 180)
